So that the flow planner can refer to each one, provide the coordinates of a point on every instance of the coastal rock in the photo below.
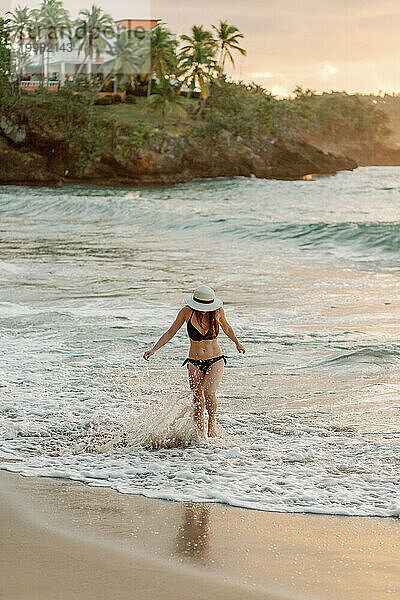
(168, 159)
(23, 167)
(180, 159)
(295, 159)
(13, 130)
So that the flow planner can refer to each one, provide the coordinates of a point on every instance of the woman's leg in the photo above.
(196, 379)
(212, 379)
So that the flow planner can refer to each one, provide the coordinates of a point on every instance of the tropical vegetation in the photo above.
(166, 99)
(180, 85)
(5, 59)
(228, 37)
(163, 58)
(90, 34)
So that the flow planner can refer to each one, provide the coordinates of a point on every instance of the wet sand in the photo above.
(66, 540)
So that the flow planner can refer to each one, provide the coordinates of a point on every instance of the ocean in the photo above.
(309, 274)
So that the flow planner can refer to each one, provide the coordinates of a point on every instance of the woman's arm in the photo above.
(228, 330)
(169, 334)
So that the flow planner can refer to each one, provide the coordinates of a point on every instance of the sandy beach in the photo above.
(67, 540)
(199, 262)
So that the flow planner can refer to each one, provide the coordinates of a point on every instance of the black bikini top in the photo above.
(195, 334)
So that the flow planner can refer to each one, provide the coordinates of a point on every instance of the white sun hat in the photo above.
(203, 298)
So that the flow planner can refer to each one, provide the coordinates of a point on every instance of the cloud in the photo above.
(266, 75)
(328, 70)
(293, 43)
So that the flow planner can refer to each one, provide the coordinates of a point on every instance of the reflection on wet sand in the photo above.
(193, 537)
(293, 555)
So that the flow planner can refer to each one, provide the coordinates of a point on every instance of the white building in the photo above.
(58, 66)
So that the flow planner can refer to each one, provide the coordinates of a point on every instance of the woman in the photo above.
(203, 314)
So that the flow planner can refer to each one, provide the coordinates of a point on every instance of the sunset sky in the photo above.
(321, 44)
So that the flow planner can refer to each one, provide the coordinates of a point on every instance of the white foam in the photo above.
(9, 309)
(99, 277)
(10, 268)
(284, 466)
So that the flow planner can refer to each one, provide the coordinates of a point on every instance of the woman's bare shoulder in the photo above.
(185, 312)
(222, 316)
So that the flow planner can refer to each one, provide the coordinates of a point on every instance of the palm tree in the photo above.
(200, 68)
(163, 59)
(128, 57)
(35, 35)
(227, 39)
(197, 59)
(55, 21)
(166, 99)
(199, 37)
(18, 23)
(91, 30)
(34, 26)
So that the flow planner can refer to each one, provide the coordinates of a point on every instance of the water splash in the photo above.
(166, 423)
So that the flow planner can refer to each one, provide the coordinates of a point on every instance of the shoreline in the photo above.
(77, 541)
(160, 182)
(137, 183)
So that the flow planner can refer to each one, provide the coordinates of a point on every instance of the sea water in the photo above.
(309, 274)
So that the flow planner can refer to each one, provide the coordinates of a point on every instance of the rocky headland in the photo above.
(32, 157)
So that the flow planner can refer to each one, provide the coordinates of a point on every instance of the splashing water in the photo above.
(308, 418)
(166, 423)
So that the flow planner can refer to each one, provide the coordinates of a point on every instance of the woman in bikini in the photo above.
(203, 311)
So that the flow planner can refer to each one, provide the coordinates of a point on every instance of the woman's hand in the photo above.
(240, 348)
(147, 354)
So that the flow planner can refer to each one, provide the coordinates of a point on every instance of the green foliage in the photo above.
(197, 59)
(104, 100)
(5, 58)
(243, 109)
(228, 37)
(229, 110)
(291, 118)
(166, 99)
(129, 55)
(91, 28)
(63, 117)
(108, 86)
(141, 129)
(129, 89)
(390, 105)
(342, 117)
(211, 133)
(163, 45)
(248, 110)
(127, 141)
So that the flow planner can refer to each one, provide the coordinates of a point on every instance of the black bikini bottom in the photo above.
(203, 365)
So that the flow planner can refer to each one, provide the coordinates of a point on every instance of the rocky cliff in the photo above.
(36, 158)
